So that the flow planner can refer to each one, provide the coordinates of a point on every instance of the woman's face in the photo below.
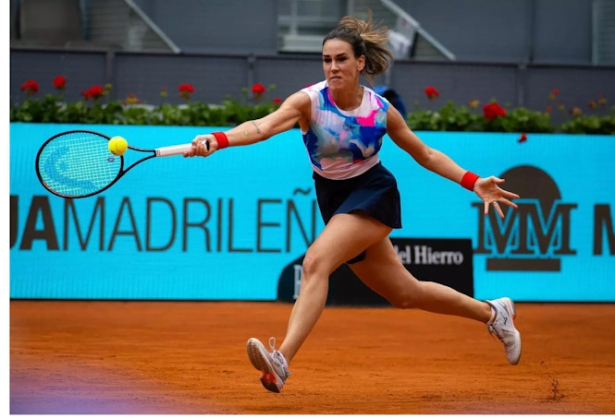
(341, 68)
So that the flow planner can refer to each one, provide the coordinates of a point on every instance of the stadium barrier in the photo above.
(235, 226)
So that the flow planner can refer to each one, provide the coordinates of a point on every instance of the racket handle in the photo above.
(173, 150)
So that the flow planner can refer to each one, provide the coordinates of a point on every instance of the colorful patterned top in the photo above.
(344, 144)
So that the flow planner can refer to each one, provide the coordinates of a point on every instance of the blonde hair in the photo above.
(365, 38)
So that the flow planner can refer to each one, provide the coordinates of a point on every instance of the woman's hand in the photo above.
(488, 190)
(202, 146)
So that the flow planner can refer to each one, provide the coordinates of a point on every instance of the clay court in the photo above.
(189, 357)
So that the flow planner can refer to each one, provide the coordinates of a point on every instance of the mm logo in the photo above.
(532, 237)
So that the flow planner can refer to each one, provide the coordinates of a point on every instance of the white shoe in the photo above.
(273, 365)
(503, 327)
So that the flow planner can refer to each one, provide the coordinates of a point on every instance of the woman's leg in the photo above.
(344, 237)
(383, 272)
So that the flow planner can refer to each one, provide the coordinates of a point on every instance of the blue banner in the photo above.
(224, 227)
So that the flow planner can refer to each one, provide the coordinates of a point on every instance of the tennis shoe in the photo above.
(273, 366)
(503, 327)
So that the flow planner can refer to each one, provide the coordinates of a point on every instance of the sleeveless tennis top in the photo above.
(343, 144)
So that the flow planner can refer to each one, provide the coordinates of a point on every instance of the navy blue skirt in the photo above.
(374, 192)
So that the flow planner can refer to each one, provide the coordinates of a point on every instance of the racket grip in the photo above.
(173, 150)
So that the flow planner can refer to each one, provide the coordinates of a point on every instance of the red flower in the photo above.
(258, 89)
(522, 138)
(555, 92)
(30, 87)
(277, 101)
(592, 104)
(431, 93)
(185, 90)
(549, 109)
(94, 92)
(59, 82)
(493, 110)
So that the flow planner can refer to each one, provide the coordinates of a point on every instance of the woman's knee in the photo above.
(407, 299)
(314, 265)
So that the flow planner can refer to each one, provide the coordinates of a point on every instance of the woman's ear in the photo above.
(361, 63)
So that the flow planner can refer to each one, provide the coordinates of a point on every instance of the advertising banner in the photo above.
(226, 227)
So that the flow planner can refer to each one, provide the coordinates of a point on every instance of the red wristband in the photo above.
(468, 180)
(221, 138)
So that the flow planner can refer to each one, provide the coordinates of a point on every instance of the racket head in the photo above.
(76, 164)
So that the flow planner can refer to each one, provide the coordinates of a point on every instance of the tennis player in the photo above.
(343, 124)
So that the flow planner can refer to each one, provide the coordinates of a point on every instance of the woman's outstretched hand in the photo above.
(489, 190)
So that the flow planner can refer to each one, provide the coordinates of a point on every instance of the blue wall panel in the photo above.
(223, 228)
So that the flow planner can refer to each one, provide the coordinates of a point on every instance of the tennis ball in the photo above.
(118, 145)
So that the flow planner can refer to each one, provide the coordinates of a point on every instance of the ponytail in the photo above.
(366, 39)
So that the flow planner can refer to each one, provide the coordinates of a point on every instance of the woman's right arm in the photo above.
(294, 108)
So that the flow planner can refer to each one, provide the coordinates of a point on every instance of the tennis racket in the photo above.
(78, 164)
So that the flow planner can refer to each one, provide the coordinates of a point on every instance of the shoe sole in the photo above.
(259, 357)
(510, 307)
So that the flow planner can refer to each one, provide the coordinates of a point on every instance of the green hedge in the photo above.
(96, 108)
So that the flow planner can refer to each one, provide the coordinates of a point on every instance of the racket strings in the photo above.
(78, 164)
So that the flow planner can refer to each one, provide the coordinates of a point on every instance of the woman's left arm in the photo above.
(440, 163)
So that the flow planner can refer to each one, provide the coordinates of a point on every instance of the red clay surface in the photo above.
(189, 357)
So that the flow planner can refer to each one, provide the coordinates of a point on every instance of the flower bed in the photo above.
(96, 108)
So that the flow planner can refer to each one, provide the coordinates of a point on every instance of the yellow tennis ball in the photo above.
(118, 145)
